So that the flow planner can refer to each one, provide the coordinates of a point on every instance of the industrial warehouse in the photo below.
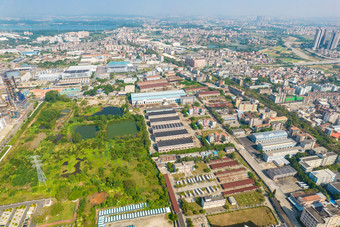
(168, 131)
(159, 97)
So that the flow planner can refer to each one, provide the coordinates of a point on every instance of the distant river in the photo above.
(60, 27)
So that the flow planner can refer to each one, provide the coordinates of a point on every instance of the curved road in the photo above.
(298, 52)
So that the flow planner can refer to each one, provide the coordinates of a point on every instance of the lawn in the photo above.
(260, 216)
(178, 176)
(249, 198)
(190, 84)
(66, 212)
(200, 169)
(90, 110)
(194, 208)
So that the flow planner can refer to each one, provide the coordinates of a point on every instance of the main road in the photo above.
(281, 197)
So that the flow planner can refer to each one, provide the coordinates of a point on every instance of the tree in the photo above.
(76, 137)
(170, 166)
(207, 170)
(173, 217)
(197, 104)
(52, 96)
(190, 224)
(63, 193)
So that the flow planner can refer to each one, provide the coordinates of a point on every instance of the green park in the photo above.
(101, 158)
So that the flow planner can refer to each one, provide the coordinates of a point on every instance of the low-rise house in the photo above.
(207, 122)
(218, 137)
(238, 132)
(300, 199)
(184, 167)
(212, 201)
(196, 110)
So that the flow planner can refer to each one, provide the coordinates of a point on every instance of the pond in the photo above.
(87, 131)
(63, 113)
(121, 128)
(111, 110)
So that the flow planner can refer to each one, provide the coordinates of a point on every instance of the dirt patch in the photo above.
(98, 197)
(36, 141)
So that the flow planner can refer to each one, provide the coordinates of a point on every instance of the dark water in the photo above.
(62, 27)
(121, 128)
(76, 166)
(111, 110)
(87, 131)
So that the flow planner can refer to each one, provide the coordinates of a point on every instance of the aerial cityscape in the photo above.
(144, 113)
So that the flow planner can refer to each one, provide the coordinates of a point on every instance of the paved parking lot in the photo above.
(288, 185)
(249, 145)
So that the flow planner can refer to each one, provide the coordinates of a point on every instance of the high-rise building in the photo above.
(260, 18)
(320, 32)
(334, 40)
(324, 38)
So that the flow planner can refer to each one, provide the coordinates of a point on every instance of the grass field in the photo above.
(66, 212)
(194, 208)
(91, 110)
(333, 68)
(260, 216)
(200, 169)
(283, 54)
(249, 198)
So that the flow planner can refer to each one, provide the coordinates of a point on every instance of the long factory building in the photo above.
(168, 131)
(165, 113)
(158, 97)
(167, 127)
(169, 135)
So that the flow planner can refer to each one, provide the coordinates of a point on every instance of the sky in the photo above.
(228, 8)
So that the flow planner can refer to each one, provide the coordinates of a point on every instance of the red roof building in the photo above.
(238, 184)
(231, 192)
(174, 202)
(223, 164)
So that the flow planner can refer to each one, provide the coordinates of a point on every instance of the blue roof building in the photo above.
(29, 53)
(269, 136)
(119, 67)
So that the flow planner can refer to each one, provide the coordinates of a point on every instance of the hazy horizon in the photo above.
(226, 8)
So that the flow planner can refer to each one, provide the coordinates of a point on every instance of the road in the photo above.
(327, 62)
(281, 197)
(298, 52)
(18, 124)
